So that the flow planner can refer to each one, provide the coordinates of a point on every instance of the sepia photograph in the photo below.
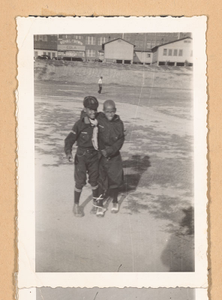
(124, 202)
(114, 147)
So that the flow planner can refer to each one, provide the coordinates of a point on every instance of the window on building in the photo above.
(170, 52)
(63, 36)
(43, 38)
(90, 53)
(36, 53)
(148, 54)
(165, 52)
(53, 54)
(102, 40)
(180, 52)
(90, 40)
(44, 53)
(175, 52)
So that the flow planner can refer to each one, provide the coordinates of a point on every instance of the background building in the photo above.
(70, 49)
(45, 45)
(143, 57)
(119, 51)
(91, 47)
(178, 53)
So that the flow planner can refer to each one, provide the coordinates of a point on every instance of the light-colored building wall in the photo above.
(119, 50)
(178, 51)
(143, 57)
(155, 56)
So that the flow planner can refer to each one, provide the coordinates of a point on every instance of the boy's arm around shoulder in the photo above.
(71, 139)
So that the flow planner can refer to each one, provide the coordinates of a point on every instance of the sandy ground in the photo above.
(153, 231)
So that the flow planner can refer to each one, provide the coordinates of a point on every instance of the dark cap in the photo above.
(91, 102)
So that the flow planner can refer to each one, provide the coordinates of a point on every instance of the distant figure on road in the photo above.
(100, 83)
(111, 139)
(85, 132)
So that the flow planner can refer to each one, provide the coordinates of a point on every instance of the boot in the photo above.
(100, 209)
(94, 207)
(115, 208)
(77, 211)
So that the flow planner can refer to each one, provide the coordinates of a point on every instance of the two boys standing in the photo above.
(99, 138)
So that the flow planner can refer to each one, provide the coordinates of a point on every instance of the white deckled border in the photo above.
(27, 28)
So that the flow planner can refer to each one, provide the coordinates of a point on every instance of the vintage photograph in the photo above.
(111, 146)
(114, 152)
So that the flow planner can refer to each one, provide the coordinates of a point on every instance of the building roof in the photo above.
(139, 50)
(116, 40)
(156, 47)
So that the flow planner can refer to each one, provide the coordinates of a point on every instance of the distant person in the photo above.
(111, 139)
(100, 83)
(85, 133)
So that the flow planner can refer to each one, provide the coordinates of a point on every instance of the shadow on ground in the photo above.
(133, 171)
(178, 254)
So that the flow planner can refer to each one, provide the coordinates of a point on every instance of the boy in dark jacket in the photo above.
(85, 132)
(111, 139)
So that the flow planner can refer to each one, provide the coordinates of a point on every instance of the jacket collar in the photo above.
(115, 118)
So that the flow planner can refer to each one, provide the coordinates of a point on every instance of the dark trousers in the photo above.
(100, 88)
(86, 162)
(110, 173)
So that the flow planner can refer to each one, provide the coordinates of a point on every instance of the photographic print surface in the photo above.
(151, 77)
(154, 99)
(114, 293)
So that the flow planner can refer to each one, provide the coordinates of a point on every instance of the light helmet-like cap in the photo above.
(110, 103)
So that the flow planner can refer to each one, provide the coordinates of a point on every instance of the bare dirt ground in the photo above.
(153, 231)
